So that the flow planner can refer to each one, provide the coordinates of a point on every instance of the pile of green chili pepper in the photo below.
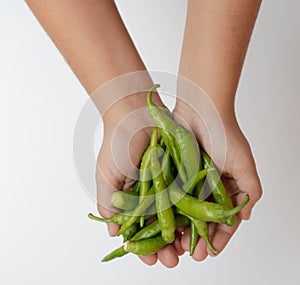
(169, 192)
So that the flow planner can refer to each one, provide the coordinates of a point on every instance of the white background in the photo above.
(45, 235)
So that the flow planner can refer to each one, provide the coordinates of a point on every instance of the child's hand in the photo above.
(239, 176)
(126, 136)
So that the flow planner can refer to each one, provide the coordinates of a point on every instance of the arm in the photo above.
(216, 38)
(91, 36)
(93, 39)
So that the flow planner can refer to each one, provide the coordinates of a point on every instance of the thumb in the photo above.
(107, 183)
(245, 174)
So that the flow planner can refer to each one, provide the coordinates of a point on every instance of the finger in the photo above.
(247, 180)
(177, 244)
(221, 236)
(149, 259)
(108, 181)
(104, 191)
(105, 213)
(112, 228)
(201, 251)
(168, 256)
(230, 186)
(185, 239)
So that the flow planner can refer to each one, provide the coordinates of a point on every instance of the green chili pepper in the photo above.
(167, 129)
(153, 229)
(138, 211)
(201, 229)
(145, 179)
(194, 188)
(136, 187)
(202, 210)
(119, 252)
(167, 168)
(175, 152)
(189, 150)
(189, 186)
(118, 218)
(190, 159)
(146, 246)
(147, 232)
(151, 210)
(130, 232)
(162, 120)
(199, 191)
(194, 236)
(164, 211)
(181, 221)
(168, 112)
(125, 200)
(217, 187)
(162, 143)
(194, 229)
(145, 173)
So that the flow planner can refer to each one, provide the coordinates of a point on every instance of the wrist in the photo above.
(189, 112)
(135, 103)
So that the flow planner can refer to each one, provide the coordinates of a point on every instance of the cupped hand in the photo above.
(239, 174)
(127, 132)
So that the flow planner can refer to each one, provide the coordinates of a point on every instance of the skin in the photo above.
(216, 39)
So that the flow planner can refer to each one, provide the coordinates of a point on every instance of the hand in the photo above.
(239, 176)
(126, 136)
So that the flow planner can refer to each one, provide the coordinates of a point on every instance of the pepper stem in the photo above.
(98, 219)
(209, 245)
(125, 245)
(149, 94)
(119, 252)
(189, 186)
(238, 208)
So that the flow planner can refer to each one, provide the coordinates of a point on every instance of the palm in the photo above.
(117, 163)
(238, 175)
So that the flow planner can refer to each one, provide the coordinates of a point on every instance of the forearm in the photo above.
(216, 38)
(91, 36)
